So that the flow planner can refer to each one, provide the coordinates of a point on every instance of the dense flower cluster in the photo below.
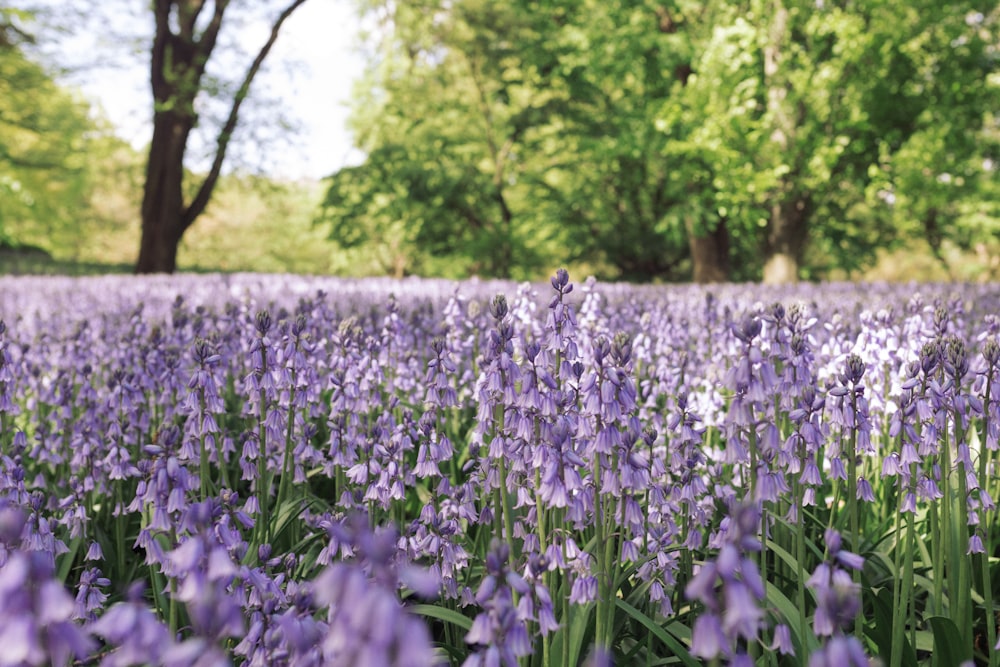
(276, 470)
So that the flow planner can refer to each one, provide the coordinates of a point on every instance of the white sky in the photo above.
(309, 72)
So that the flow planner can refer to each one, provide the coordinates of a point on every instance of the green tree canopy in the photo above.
(669, 139)
(45, 133)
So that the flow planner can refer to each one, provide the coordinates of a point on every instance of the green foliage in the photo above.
(457, 108)
(45, 136)
(828, 110)
(948, 644)
(505, 137)
(637, 140)
(939, 178)
(501, 137)
(254, 224)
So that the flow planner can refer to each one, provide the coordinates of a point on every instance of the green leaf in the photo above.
(783, 554)
(290, 510)
(577, 626)
(880, 631)
(791, 615)
(67, 559)
(948, 647)
(675, 646)
(442, 614)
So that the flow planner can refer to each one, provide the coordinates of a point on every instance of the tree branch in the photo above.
(206, 43)
(34, 162)
(187, 16)
(201, 199)
(161, 11)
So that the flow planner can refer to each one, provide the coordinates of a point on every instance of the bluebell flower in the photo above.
(90, 598)
(498, 633)
(366, 624)
(36, 614)
(840, 651)
(132, 632)
(730, 589)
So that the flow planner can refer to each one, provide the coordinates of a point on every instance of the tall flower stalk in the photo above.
(955, 487)
(258, 382)
(496, 387)
(903, 465)
(838, 603)
(854, 417)
(204, 403)
(987, 504)
(293, 355)
(731, 591)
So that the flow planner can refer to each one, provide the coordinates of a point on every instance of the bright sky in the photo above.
(310, 70)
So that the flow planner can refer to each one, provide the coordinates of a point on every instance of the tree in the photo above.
(454, 118)
(45, 133)
(621, 61)
(941, 178)
(668, 139)
(794, 109)
(185, 39)
(510, 136)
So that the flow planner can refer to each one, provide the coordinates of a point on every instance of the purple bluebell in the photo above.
(838, 597)
(498, 634)
(730, 589)
(132, 631)
(365, 622)
(37, 613)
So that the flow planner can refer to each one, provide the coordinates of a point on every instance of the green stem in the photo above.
(754, 647)
(800, 554)
(908, 575)
(835, 501)
(220, 455)
(286, 464)
(174, 613)
(602, 583)
(903, 583)
(947, 530)
(852, 499)
(685, 569)
(543, 545)
(560, 588)
(508, 512)
(504, 520)
(960, 542)
(339, 484)
(263, 484)
(898, 610)
(612, 553)
(119, 509)
(157, 585)
(936, 540)
(203, 451)
(989, 617)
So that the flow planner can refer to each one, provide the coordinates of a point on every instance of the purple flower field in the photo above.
(282, 470)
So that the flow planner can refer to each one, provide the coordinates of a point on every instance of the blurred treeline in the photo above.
(635, 140)
(70, 190)
(673, 139)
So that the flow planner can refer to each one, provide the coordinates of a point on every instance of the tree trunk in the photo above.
(786, 240)
(163, 195)
(786, 229)
(178, 60)
(504, 257)
(781, 268)
(709, 252)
